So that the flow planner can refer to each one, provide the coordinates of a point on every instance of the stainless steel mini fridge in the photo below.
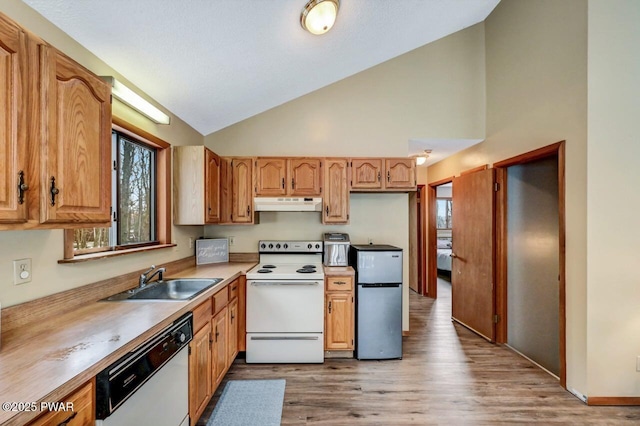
(378, 301)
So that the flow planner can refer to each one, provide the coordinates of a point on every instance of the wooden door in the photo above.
(336, 192)
(242, 202)
(339, 317)
(472, 274)
(212, 186)
(199, 371)
(305, 176)
(76, 141)
(366, 173)
(13, 124)
(219, 337)
(233, 331)
(271, 176)
(226, 191)
(400, 173)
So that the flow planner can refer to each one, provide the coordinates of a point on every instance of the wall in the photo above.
(536, 80)
(612, 209)
(436, 91)
(45, 247)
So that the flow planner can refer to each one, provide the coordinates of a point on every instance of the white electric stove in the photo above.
(285, 304)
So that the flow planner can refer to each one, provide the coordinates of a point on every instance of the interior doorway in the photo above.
(441, 190)
(531, 257)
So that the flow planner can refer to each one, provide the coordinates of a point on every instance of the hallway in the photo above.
(448, 376)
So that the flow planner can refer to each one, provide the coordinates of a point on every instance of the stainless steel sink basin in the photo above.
(171, 289)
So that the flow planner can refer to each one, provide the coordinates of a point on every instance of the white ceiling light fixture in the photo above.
(137, 102)
(422, 157)
(318, 16)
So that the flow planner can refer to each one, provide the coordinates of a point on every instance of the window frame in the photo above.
(162, 201)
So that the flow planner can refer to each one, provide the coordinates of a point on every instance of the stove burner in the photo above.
(305, 270)
(264, 271)
(269, 266)
(309, 267)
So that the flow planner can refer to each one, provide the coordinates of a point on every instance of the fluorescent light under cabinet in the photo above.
(137, 102)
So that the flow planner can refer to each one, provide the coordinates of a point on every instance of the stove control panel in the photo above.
(290, 246)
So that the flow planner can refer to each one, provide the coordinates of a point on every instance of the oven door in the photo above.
(285, 306)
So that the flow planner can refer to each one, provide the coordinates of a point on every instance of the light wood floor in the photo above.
(448, 376)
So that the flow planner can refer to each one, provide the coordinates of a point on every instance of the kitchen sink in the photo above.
(171, 289)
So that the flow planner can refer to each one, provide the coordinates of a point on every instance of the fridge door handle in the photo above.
(380, 285)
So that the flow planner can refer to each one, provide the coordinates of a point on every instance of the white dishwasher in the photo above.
(149, 386)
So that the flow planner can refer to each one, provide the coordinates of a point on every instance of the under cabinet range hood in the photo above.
(287, 204)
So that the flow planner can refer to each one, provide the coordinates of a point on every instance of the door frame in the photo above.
(556, 149)
(417, 248)
(431, 283)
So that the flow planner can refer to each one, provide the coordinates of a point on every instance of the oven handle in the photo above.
(271, 283)
(286, 338)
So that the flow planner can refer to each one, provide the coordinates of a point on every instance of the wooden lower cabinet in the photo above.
(83, 413)
(214, 345)
(199, 372)
(219, 362)
(232, 348)
(339, 314)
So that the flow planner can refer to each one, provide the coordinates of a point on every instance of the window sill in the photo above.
(107, 254)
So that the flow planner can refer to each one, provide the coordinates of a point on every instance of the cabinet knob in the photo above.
(282, 183)
(378, 176)
(53, 191)
(329, 306)
(293, 184)
(327, 210)
(388, 176)
(21, 187)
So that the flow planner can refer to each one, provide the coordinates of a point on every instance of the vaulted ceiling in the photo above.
(214, 63)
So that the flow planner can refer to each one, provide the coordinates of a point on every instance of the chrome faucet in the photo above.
(145, 277)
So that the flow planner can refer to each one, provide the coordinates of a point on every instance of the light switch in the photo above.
(21, 271)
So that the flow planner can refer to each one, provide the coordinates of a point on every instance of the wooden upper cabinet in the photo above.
(305, 177)
(13, 124)
(242, 200)
(336, 191)
(366, 173)
(271, 177)
(212, 187)
(76, 139)
(400, 173)
(196, 185)
(226, 191)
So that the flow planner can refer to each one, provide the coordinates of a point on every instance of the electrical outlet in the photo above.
(190, 242)
(21, 271)
(232, 240)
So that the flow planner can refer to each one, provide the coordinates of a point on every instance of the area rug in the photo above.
(249, 403)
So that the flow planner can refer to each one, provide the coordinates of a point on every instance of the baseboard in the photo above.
(613, 400)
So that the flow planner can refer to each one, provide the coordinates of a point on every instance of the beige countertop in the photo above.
(47, 361)
(332, 271)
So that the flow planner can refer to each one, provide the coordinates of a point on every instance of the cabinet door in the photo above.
(305, 176)
(336, 192)
(233, 331)
(366, 173)
(212, 186)
(13, 125)
(339, 321)
(219, 334)
(242, 193)
(400, 173)
(83, 410)
(226, 191)
(76, 141)
(199, 372)
(271, 176)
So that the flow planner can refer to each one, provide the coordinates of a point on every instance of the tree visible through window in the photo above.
(134, 178)
(443, 213)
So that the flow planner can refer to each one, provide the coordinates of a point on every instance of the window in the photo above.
(443, 213)
(140, 183)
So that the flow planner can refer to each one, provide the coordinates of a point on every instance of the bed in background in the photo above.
(443, 255)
